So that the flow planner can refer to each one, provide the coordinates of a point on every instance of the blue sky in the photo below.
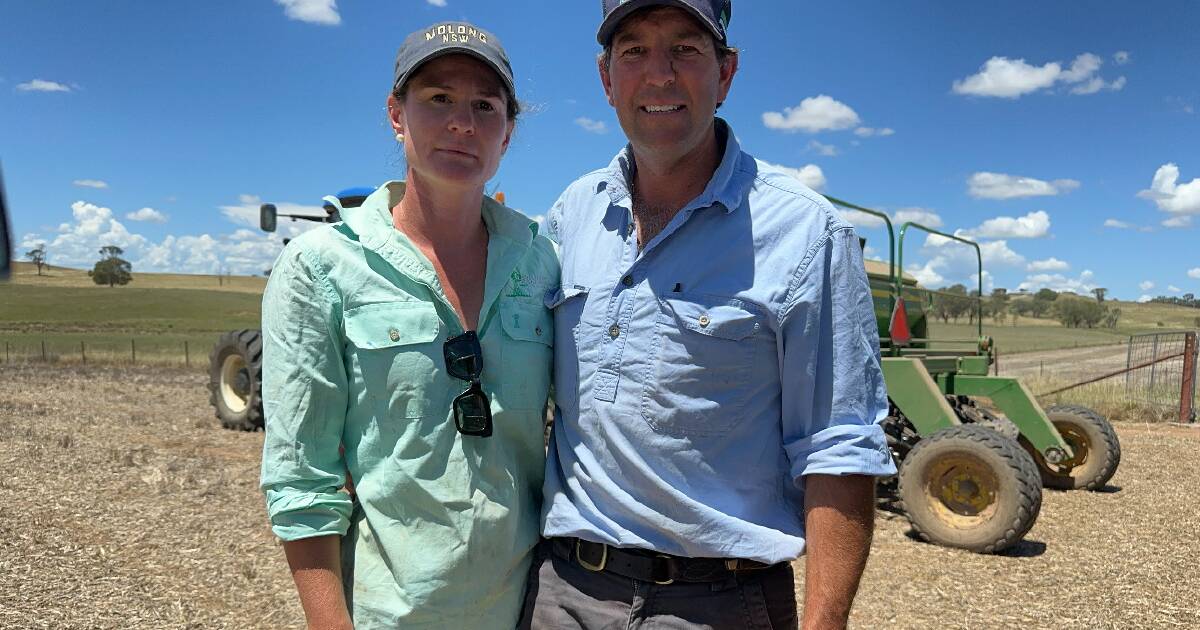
(1062, 135)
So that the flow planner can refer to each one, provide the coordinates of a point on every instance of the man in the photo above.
(717, 367)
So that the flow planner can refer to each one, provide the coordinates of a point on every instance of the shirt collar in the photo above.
(726, 187)
(372, 221)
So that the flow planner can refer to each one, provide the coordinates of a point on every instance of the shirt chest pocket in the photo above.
(393, 356)
(704, 356)
(527, 352)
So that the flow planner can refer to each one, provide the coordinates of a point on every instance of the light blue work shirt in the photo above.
(699, 379)
(354, 320)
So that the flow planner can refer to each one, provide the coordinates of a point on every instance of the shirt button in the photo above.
(704, 321)
(614, 331)
(627, 281)
(629, 230)
(538, 331)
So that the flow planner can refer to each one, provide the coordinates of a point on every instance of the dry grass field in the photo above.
(123, 505)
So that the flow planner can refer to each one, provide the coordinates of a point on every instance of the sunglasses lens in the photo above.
(472, 413)
(464, 356)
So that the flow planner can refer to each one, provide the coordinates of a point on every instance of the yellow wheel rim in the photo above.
(1080, 445)
(962, 490)
(233, 393)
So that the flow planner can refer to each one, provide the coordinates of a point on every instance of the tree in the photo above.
(37, 256)
(1100, 293)
(111, 269)
(998, 304)
(1045, 295)
(1076, 312)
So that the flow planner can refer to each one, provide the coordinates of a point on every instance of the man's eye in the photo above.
(633, 50)
(485, 106)
(686, 49)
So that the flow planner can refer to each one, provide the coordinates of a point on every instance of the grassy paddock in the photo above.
(1110, 398)
(91, 347)
(1029, 335)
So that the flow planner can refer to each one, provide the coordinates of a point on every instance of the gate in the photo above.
(1160, 371)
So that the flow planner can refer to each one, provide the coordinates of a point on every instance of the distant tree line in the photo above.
(1073, 311)
(1187, 299)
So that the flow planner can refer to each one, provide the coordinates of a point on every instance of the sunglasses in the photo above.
(464, 361)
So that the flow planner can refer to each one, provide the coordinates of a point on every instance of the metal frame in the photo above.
(978, 256)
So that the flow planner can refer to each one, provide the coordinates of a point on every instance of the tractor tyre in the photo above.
(1097, 451)
(971, 488)
(235, 380)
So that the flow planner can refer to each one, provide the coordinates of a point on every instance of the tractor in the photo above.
(973, 450)
(235, 363)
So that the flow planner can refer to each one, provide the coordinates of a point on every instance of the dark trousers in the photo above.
(562, 595)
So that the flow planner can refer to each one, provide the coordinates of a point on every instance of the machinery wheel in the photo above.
(1094, 443)
(971, 488)
(235, 380)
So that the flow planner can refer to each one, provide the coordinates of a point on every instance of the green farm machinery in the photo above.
(973, 450)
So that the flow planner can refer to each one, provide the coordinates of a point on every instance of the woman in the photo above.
(414, 334)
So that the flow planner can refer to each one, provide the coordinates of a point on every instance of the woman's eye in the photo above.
(440, 98)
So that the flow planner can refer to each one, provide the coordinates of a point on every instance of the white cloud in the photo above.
(1169, 195)
(147, 214)
(1050, 264)
(1194, 273)
(814, 114)
(810, 175)
(90, 183)
(827, 150)
(953, 262)
(1145, 285)
(41, 85)
(1181, 221)
(243, 251)
(1121, 57)
(859, 219)
(985, 185)
(926, 274)
(1120, 225)
(1082, 285)
(437, 3)
(312, 11)
(1002, 77)
(591, 126)
(1173, 289)
(1144, 298)
(928, 218)
(1036, 224)
(867, 132)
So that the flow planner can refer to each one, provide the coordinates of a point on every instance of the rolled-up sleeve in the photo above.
(304, 399)
(833, 390)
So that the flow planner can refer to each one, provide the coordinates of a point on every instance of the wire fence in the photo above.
(86, 349)
(1161, 371)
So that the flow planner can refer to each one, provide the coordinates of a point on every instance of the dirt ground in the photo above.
(1068, 364)
(123, 505)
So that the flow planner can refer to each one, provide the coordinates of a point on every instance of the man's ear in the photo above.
(605, 79)
(395, 113)
(727, 71)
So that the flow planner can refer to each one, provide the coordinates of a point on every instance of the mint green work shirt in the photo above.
(354, 319)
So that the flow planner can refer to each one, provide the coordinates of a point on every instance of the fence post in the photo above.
(83, 352)
(1153, 356)
(133, 349)
(43, 349)
(186, 358)
(1128, 363)
(6, 357)
(1187, 389)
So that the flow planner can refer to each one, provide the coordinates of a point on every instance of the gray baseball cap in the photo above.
(712, 13)
(448, 38)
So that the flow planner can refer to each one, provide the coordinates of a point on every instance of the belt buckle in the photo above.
(587, 565)
(669, 580)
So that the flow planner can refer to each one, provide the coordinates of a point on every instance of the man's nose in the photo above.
(660, 69)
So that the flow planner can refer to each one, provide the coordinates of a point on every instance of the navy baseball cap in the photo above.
(450, 38)
(712, 13)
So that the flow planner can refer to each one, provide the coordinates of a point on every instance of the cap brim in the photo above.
(496, 67)
(610, 23)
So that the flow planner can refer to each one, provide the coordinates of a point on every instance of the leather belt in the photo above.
(649, 566)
